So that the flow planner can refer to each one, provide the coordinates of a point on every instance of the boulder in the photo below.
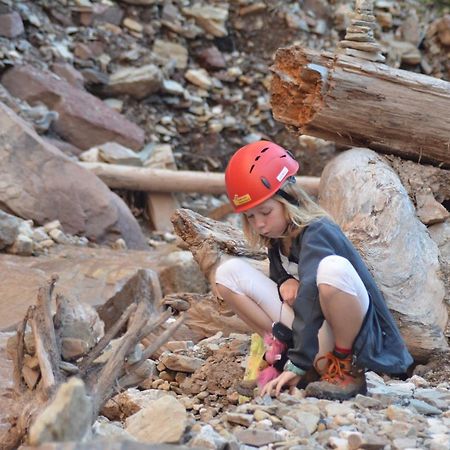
(365, 197)
(83, 119)
(39, 182)
(107, 279)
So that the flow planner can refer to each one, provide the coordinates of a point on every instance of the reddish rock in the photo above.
(211, 58)
(69, 73)
(11, 25)
(84, 120)
(39, 182)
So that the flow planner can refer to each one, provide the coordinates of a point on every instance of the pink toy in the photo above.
(274, 349)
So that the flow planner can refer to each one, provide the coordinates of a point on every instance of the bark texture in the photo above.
(362, 103)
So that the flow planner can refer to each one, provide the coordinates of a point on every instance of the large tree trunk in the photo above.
(361, 103)
(163, 180)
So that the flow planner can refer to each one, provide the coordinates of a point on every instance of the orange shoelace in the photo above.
(335, 368)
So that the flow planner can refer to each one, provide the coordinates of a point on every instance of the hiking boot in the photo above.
(341, 380)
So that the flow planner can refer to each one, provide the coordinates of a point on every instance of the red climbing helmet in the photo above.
(256, 172)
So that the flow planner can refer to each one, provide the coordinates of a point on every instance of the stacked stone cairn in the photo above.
(359, 40)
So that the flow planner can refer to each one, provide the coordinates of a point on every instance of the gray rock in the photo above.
(68, 417)
(9, 229)
(60, 188)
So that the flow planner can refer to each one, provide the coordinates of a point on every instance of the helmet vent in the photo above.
(251, 168)
(264, 149)
(265, 182)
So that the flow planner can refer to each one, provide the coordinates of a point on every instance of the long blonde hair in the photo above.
(298, 217)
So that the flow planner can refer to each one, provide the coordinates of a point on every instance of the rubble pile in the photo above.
(195, 75)
(412, 413)
(181, 84)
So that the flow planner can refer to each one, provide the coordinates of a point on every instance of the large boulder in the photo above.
(366, 198)
(104, 278)
(38, 182)
(83, 119)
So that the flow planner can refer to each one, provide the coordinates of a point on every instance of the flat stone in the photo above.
(164, 421)
(257, 437)
(84, 120)
(181, 363)
(139, 82)
(11, 25)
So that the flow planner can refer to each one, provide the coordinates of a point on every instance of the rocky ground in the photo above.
(209, 95)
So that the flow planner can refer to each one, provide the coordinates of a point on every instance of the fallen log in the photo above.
(361, 103)
(210, 241)
(50, 404)
(161, 180)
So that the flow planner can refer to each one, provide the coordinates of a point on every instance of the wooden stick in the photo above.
(44, 320)
(154, 325)
(45, 365)
(104, 341)
(19, 385)
(161, 180)
(113, 368)
(161, 340)
(360, 103)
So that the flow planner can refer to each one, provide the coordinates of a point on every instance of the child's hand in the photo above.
(274, 387)
(288, 291)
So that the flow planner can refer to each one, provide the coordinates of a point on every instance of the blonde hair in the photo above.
(298, 217)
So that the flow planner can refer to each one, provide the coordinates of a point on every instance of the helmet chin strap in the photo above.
(291, 199)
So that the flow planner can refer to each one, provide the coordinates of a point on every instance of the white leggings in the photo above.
(242, 278)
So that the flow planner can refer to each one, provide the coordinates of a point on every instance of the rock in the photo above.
(180, 273)
(83, 120)
(9, 229)
(105, 278)
(77, 326)
(240, 419)
(181, 363)
(199, 77)
(380, 220)
(208, 438)
(210, 18)
(443, 29)
(11, 25)
(22, 246)
(440, 233)
(367, 441)
(211, 58)
(429, 210)
(167, 51)
(62, 190)
(69, 73)
(164, 421)
(257, 438)
(114, 153)
(67, 417)
(139, 82)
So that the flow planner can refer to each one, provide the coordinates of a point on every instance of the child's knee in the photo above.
(229, 269)
(332, 267)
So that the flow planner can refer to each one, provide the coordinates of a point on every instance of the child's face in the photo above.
(268, 218)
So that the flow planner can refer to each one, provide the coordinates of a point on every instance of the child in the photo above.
(319, 286)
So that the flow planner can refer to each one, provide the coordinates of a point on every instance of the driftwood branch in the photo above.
(105, 340)
(163, 338)
(162, 180)
(50, 336)
(361, 103)
(19, 385)
(113, 368)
